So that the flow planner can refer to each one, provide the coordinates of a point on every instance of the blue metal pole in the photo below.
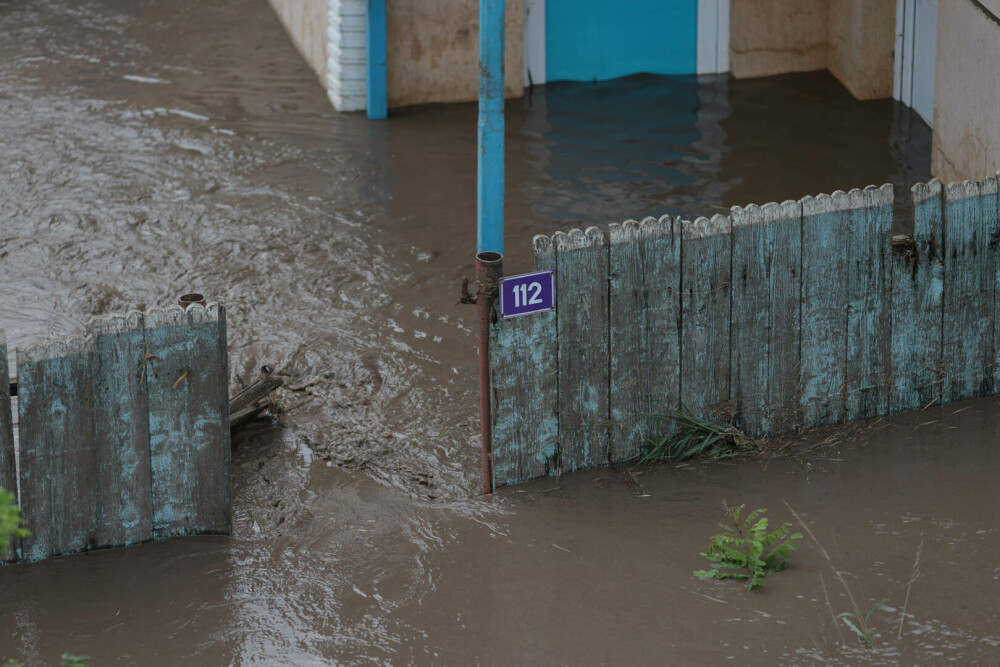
(489, 236)
(377, 85)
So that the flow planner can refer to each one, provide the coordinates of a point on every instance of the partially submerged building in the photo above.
(936, 56)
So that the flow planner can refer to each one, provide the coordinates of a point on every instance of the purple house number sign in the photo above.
(527, 293)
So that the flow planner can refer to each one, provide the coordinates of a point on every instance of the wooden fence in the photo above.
(774, 318)
(123, 435)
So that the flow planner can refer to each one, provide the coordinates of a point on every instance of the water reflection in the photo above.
(685, 145)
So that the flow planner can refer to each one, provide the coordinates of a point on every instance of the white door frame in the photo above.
(713, 36)
(916, 53)
(534, 42)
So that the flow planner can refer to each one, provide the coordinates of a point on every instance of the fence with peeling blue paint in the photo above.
(122, 435)
(774, 319)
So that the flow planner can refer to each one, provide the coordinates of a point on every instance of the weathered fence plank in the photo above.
(969, 285)
(627, 340)
(57, 447)
(706, 254)
(661, 365)
(644, 306)
(824, 309)
(917, 284)
(188, 419)
(993, 223)
(8, 479)
(123, 512)
(582, 277)
(767, 265)
(525, 390)
(869, 242)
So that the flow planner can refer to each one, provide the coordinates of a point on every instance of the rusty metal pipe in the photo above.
(489, 270)
(191, 298)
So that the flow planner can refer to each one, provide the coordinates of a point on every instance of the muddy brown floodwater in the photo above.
(148, 148)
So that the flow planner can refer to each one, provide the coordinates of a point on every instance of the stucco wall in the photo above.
(854, 39)
(776, 36)
(966, 91)
(306, 21)
(434, 50)
(861, 36)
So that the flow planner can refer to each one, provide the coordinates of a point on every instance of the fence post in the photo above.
(489, 270)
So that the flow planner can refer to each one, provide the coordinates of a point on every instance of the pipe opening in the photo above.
(489, 257)
(185, 300)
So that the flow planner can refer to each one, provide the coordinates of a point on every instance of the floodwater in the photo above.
(149, 148)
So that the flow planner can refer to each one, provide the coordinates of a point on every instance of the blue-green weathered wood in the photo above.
(644, 314)
(661, 371)
(969, 290)
(869, 241)
(993, 223)
(917, 284)
(8, 480)
(123, 513)
(824, 309)
(627, 341)
(706, 288)
(767, 264)
(57, 447)
(582, 279)
(188, 420)
(525, 405)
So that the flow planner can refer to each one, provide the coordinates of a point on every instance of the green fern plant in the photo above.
(746, 550)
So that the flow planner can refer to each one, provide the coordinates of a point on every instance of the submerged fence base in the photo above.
(774, 318)
(123, 434)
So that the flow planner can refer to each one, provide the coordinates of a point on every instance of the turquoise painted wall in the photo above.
(605, 39)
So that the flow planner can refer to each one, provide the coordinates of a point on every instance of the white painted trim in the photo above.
(534, 42)
(897, 66)
(722, 41)
(916, 48)
(713, 36)
(346, 52)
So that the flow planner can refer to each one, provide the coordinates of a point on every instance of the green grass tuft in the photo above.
(697, 438)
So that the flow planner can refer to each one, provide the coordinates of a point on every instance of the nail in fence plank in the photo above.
(824, 309)
(524, 362)
(705, 316)
(644, 306)
(969, 284)
(869, 242)
(58, 451)
(188, 420)
(582, 280)
(767, 258)
(8, 481)
(123, 514)
(917, 284)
